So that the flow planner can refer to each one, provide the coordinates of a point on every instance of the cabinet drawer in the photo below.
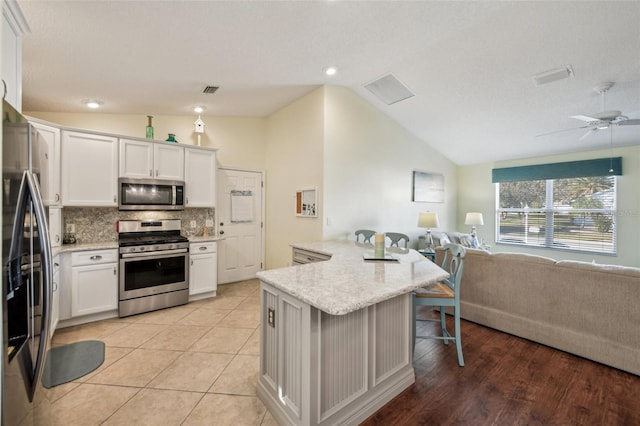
(305, 256)
(93, 257)
(203, 248)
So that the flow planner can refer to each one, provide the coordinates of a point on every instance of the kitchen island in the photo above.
(336, 335)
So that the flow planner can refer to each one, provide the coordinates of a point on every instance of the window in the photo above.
(574, 213)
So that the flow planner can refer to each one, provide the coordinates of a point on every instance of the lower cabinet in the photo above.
(94, 282)
(203, 267)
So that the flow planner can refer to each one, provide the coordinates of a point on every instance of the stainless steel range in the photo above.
(154, 266)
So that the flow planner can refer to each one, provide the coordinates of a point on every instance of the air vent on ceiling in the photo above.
(210, 89)
(389, 89)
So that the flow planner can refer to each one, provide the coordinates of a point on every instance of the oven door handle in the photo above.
(161, 253)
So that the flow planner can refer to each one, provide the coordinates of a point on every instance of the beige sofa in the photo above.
(590, 310)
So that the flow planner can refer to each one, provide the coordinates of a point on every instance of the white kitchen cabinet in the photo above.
(145, 160)
(49, 155)
(89, 169)
(55, 226)
(55, 300)
(94, 281)
(200, 178)
(203, 267)
(13, 27)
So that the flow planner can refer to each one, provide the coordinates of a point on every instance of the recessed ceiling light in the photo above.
(198, 109)
(92, 103)
(330, 71)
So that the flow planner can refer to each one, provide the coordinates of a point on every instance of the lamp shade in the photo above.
(428, 220)
(474, 218)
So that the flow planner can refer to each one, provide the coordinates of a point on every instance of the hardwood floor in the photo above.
(507, 380)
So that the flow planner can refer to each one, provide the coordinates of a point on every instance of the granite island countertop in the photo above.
(346, 282)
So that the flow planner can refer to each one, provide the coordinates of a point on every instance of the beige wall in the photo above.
(368, 171)
(477, 193)
(294, 160)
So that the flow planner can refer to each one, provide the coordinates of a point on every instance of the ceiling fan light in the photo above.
(602, 125)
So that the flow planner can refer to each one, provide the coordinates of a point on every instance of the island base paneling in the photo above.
(322, 369)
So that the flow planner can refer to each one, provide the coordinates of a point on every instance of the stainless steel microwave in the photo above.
(150, 194)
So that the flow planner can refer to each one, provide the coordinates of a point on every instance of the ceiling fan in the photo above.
(602, 120)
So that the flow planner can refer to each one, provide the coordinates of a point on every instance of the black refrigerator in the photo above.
(26, 277)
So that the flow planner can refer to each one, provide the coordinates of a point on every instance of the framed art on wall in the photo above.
(427, 187)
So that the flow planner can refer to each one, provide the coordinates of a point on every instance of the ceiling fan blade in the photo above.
(561, 131)
(590, 132)
(585, 118)
(634, 122)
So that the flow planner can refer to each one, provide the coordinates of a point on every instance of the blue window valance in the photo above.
(571, 169)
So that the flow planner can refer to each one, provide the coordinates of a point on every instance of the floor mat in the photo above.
(69, 362)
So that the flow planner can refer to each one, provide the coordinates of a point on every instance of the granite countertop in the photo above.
(203, 239)
(346, 282)
(102, 245)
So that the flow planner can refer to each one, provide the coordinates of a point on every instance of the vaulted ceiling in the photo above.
(470, 63)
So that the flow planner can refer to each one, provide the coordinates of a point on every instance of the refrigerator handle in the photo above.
(47, 275)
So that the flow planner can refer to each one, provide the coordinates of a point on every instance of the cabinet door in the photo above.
(55, 226)
(203, 269)
(55, 302)
(136, 159)
(94, 288)
(89, 170)
(168, 161)
(200, 178)
(49, 153)
(13, 26)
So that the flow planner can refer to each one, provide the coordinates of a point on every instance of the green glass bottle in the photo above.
(150, 127)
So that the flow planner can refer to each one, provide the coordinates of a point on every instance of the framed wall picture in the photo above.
(427, 187)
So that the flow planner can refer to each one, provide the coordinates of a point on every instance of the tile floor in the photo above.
(195, 364)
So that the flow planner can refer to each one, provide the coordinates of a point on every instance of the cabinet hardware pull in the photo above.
(57, 197)
(191, 262)
(46, 155)
(150, 172)
(55, 286)
(114, 270)
(96, 257)
(114, 198)
(221, 232)
(202, 248)
(221, 223)
(57, 238)
(56, 264)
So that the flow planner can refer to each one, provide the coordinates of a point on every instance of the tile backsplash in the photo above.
(95, 225)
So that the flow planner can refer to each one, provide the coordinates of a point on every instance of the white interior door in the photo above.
(239, 214)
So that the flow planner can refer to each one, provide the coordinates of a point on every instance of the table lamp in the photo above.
(428, 220)
(474, 219)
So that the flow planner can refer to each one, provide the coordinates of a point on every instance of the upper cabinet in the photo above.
(151, 160)
(200, 178)
(49, 154)
(13, 26)
(89, 169)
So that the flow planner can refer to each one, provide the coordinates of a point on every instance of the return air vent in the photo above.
(210, 89)
(389, 89)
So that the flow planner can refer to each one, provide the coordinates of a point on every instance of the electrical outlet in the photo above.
(193, 223)
(208, 223)
(71, 228)
(271, 317)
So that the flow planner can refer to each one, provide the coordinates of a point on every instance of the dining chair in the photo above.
(442, 294)
(396, 238)
(366, 235)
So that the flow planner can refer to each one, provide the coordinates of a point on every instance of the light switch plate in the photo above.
(192, 223)
(208, 223)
